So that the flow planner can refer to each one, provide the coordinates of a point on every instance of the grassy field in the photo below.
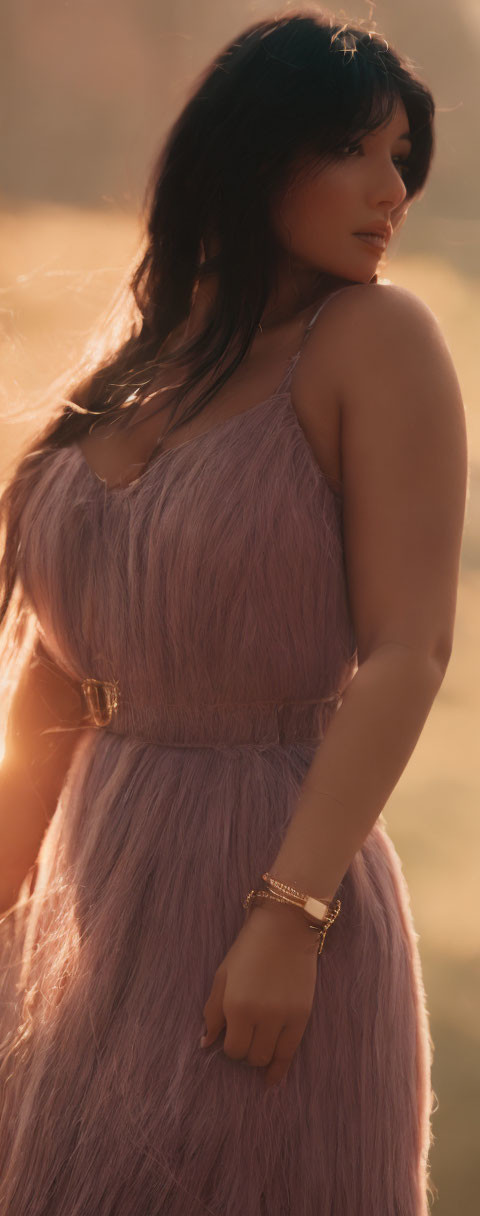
(59, 268)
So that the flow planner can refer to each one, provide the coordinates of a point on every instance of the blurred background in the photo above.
(90, 91)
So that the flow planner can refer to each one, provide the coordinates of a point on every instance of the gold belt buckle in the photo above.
(101, 697)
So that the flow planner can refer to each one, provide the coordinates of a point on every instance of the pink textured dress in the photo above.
(213, 589)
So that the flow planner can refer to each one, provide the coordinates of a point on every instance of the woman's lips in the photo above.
(375, 241)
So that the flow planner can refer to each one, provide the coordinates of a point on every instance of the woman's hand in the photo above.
(263, 989)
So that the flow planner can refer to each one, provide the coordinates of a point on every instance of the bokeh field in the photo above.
(59, 268)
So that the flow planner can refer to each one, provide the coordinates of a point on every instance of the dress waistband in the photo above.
(262, 723)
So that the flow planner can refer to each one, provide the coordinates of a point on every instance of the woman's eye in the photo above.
(401, 161)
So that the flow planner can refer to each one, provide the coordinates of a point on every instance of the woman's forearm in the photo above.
(356, 766)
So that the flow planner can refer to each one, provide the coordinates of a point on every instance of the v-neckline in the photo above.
(283, 390)
(137, 483)
(157, 459)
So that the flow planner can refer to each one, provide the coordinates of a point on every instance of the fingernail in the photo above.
(203, 1039)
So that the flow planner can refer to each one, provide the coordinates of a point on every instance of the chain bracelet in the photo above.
(283, 886)
(320, 929)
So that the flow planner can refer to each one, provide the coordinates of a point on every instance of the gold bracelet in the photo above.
(315, 909)
(278, 899)
(320, 929)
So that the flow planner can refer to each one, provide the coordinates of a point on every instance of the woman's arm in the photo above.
(37, 757)
(405, 466)
(404, 458)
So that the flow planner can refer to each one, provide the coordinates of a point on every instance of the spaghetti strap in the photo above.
(330, 296)
(285, 382)
(322, 305)
(315, 315)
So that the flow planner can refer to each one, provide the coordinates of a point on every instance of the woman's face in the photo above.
(318, 214)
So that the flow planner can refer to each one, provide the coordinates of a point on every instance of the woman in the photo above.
(262, 590)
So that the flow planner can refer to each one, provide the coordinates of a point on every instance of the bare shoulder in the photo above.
(366, 311)
(372, 346)
(365, 322)
(393, 342)
(381, 342)
(398, 391)
(381, 295)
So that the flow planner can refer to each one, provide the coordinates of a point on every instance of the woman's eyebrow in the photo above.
(406, 135)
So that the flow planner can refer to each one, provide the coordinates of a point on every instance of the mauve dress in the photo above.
(213, 589)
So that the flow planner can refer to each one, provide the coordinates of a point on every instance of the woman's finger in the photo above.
(213, 1010)
(239, 1032)
(287, 1043)
(264, 1041)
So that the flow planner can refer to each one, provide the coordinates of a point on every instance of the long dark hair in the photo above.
(301, 82)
